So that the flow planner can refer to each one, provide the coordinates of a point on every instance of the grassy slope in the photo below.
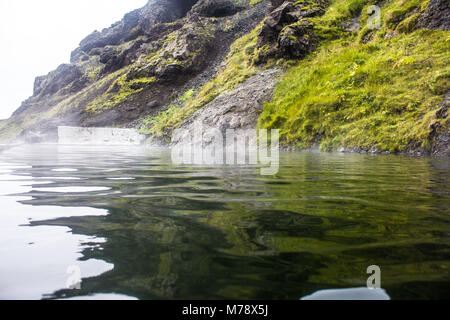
(378, 93)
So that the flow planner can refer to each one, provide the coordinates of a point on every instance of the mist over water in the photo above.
(141, 227)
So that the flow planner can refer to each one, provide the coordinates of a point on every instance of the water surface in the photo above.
(139, 227)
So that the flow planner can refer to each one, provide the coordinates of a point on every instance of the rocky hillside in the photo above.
(328, 73)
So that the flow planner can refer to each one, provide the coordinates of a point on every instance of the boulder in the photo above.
(185, 52)
(238, 109)
(137, 23)
(296, 40)
(287, 33)
(280, 16)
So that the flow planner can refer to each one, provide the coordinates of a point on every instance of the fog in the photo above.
(37, 36)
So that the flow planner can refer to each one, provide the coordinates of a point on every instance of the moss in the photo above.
(398, 10)
(329, 26)
(91, 67)
(341, 11)
(356, 90)
(254, 2)
(328, 32)
(380, 94)
(164, 51)
(363, 89)
(408, 24)
(118, 92)
(187, 95)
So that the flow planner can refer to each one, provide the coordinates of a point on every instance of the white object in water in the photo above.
(349, 294)
(99, 136)
(103, 296)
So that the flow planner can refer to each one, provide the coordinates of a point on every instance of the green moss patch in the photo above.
(118, 92)
(380, 94)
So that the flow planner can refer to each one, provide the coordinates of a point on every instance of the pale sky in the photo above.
(38, 35)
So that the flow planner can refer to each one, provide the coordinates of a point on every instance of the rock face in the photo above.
(217, 8)
(137, 23)
(237, 110)
(132, 69)
(440, 135)
(64, 75)
(140, 69)
(287, 32)
(436, 16)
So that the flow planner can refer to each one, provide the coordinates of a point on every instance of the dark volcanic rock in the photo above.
(115, 59)
(287, 32)
(159, 51)
(216, 8)
(437, 16)
(274, 4)
(56, 80)
(179, 60)
(161, 11)
(238, 109)
(440, 135)
(112, 35)
(138, 22)
(297, 40)
(78, 55)
(280, 16)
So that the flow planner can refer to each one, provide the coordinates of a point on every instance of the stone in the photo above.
(56, 80)
(152, 104)
(137, 22)
(238, 109)
(287, 33)
(437, 16)
(297, 40)
(279, 17)
(216, 8)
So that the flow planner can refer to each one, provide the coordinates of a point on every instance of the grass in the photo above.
(340, 11)
(371, 89)
(377, 94)
(357, 89)
(239, 66)
(254, 2)
(118, 92)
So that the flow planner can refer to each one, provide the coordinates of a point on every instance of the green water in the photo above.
(139, 226)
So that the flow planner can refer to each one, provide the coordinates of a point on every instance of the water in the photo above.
(138, 227)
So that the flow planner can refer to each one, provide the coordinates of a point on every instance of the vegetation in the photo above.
(118, 92)
(374, 88)
(254, 2)
(371, 88)
(238, 67)
(371, 92)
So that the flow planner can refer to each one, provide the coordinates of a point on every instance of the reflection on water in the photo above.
(140, 227)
